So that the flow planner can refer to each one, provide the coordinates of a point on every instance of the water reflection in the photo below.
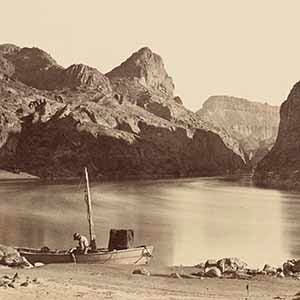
(187, 220)
(291, 219)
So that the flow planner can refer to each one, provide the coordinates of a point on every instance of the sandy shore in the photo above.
(117, 282)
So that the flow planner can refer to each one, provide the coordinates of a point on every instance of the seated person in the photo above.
(83, 244)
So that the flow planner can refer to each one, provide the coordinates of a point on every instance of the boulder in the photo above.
(288, 267)
(231, 264)
(280, 275)
(141, 271)
(213, 272)
(210, 263)
(253, 271)
(269, 270)
(9, 256)
(296, 266)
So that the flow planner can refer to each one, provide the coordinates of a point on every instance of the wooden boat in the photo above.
(137, 255)
(134, 256)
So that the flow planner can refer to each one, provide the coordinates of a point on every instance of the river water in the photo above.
(187, 220)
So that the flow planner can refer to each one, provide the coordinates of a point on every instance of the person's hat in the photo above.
(76, 235)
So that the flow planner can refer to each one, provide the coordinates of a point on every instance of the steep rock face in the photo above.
(63, 145)
(85, 76)
(254, 125)
(143, 64)
(148, 69)
(281, 166)
(121, 130)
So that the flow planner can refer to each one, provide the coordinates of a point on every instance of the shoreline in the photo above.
(7, 175)
(75, 281)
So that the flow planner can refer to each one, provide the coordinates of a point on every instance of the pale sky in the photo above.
(247, 49)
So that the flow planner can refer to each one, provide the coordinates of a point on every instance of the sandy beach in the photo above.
(71, 281)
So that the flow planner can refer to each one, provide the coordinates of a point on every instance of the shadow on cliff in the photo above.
(62, 146)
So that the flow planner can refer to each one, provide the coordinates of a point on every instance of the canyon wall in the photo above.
(281, 166)
(253, 125)
(127, 123)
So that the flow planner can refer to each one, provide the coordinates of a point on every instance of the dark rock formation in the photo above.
(126, 125)
(34, 67)
(281, 166)
(253, 125)
(38, 69)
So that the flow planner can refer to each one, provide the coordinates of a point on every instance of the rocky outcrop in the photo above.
(147, 68)
(70, 140)
(38, 69)
(85, 76)
(253, 125)
(128, 80)
(9, 256)
(120, 126)
(281, 166)
(178, 100)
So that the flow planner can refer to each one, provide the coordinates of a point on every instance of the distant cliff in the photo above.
(281, 166)
(123, 124)
(253, 125)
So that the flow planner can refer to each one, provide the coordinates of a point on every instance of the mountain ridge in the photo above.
(120, 127)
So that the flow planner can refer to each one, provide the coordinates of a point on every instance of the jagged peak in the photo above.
(82, 68)
(145, 53)
(145, 50)
(148, 68)
(81, 74)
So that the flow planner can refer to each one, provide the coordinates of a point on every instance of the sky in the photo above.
(242, 48)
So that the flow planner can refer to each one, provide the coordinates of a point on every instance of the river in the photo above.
(187, 220)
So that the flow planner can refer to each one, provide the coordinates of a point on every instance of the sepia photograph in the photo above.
(150, 150)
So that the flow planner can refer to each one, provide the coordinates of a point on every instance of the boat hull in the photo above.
(133, 256)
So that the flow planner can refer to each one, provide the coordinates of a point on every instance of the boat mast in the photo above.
(89, 212)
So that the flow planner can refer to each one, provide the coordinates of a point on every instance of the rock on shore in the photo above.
(125, 124)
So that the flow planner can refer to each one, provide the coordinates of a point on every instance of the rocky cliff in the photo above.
(125, 124)
(253, 125)
(281, 166)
